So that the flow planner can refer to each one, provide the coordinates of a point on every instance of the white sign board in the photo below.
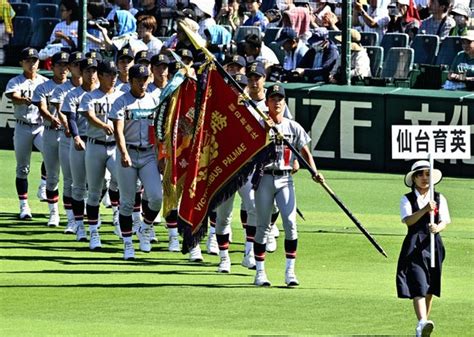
(439, 141)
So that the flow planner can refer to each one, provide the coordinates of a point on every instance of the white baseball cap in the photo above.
(404, 2)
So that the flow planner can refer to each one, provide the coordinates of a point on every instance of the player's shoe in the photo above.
(173, 244)
(128, 251)
(211, 245)
(427, 329)
(195, 254)
(224, 265)
(106, 200)
(53, 216)
(117, 231)
(94, 242)
(41, 194)
(290, 278)
(271, 245)
(71, 225)
(25, 212)
(143, 234)
(153, 237)
(275, 231)
(261, 279)
(249, 261)
(81, 233)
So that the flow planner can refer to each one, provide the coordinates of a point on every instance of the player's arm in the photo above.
(92, 118)
(72, 125)
(44, 112)
(17, 99)
(306, 154)
(120, 140)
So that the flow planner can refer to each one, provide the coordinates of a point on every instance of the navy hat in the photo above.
(255, 68)
(237, 59)
(142, 56)
(287, 33)
(61, 57)
(158, 59)
(125, 52)
(275, 89)
(173, 67)
(319, 34)
(29, 53)
(77, 56)
(138, 71)
(88, 63)
(241, 79)
(185, 53)
(108, 67)
(94, 55)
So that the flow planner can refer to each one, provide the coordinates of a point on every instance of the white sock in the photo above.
(136, 216)
(224, 254)
(212, 230)
(173, 232)
(248, 248)
(290, 264)
(80, 223)
(53, 206)
(260, 265)
(115, 208)
(70, 215)
(43, 183)
(127, 239)
(93, 228)
(24, 203)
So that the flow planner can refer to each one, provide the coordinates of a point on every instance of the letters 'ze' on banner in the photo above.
(439, 141)
(227, 137)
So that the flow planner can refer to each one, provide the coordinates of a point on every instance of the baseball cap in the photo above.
(173, 67)
(77, 56)
(143, 56)
(138, 71)
(94, 55)
(241, 79)
(319, 35)
(255, 68)
(275, 89)
(460, 9)
(236, 59)
(29, 53)
(88, 63)
(185, 53)
(61, 57)
(125, 52)
(287, 33)
(158, 59)
(108, 67)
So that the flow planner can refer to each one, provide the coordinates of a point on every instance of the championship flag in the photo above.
(227, 138)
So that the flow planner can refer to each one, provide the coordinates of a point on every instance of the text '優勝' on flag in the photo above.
(226, 142)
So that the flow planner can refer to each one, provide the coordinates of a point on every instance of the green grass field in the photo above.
(51, 285)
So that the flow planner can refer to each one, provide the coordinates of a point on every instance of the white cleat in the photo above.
(249, 261)
(195, 254)
(94, 242)
(143, 234)
(25, 212)
(117, 231)
(290, 279)
(81, 233)
(53, 216)
(275, 231)
(153, 237)
(261, 279)
(173, 244)
(41, 194)
(128, 251)
(224, 265)
(71, 226)
(271, 245)
(427, 329)
(211, 245)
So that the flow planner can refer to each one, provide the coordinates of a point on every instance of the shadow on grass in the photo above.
(133, 285)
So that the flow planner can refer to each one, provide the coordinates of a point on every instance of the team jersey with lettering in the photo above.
(296, 136)
(43, 93)
(122, 86)
(70, 108)
(138, 115)
(101, 104)
(25, 87)
(61, 91)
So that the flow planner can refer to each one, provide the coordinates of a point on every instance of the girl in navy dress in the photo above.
(416, 280)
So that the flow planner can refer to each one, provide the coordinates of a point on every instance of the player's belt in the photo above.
(100, 142)
(277, 172)
(139, 148)
(19, 121)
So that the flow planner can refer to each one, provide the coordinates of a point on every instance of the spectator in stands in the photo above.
(298, 18)
(65, 32)
(257, 18)
(360, 62)
(126, 5)
(322, 7)
(6, 26)
(331, 21)
(461, 15)
(95, 40)
(146, 26)
(374, 19)
(126, 26)
(273, 17)
(229, 15)
(423, 9)
(406, 21)
(204, 10)
(439, 22)
(256, 50)
(294, 48)
(320, 59)
(149, 7)
(461, 74)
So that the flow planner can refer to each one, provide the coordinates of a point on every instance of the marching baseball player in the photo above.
(277, 185)
(52, 131)
(100, 152)
(78, 128)
(28, 127)
(133, 115)
(57, 98)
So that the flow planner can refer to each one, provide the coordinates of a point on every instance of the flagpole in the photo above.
(199, 43)
(432, 237)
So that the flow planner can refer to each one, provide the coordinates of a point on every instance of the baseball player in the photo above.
(52, 131)
(57, 98)
(276, 184)
(78, 128)
(100, 152)
(28, 127)
(159, 69)
(133, 115)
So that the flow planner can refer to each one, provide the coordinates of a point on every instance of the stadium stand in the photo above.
(369, 39)
(271, 34)
(426, 48)
(449, 48)
(243, 31)
(42, 32)
(398, 63)
(391, 40)
(376, 58)
(21, 8)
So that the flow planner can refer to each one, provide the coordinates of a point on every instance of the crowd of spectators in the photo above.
(302, 51)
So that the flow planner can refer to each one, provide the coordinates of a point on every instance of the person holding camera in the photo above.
(373, 18)
(229, 15)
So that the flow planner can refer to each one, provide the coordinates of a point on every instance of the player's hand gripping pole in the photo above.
(199, 43)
